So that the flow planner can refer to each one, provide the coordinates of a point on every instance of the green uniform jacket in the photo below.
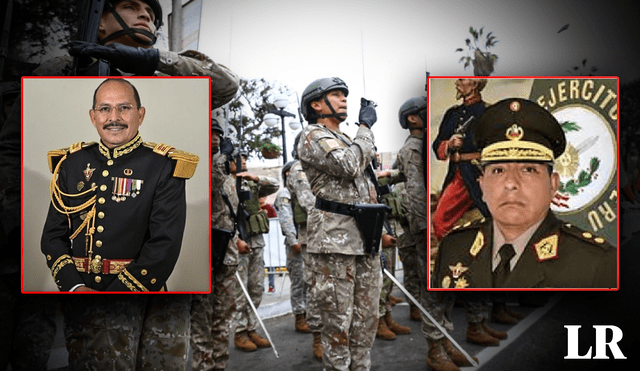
(558, 255)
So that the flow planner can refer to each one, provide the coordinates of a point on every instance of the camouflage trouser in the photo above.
(476, 305)
(295, 266)
(347, 294)
(313, 312)
(127, 332)
(387, 284)
(251, 270)
(438, 304)
(409, 259)
(211, 316)
(27, 326)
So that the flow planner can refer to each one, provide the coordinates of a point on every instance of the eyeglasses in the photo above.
(123, 109)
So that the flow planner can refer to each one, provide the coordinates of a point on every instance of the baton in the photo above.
(435, 323)
(246, 293)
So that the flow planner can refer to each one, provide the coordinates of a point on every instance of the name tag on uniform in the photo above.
(125, 187)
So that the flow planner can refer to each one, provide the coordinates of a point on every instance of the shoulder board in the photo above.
(185, 162)
(473, 225)
(55, 155)
(584, 235)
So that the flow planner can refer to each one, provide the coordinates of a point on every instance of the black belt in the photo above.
(334, 207)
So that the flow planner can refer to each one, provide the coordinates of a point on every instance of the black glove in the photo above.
(138, 61)
(367, 114)
(226, 147)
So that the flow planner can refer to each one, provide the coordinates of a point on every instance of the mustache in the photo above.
(115, 125)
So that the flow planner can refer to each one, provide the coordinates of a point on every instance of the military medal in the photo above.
(125, 187)
(461, 283)
(458, 269)
(88, 172)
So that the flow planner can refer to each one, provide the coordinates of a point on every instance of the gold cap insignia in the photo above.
(477, 244)
(458, 269)
(446, 282)
(547, 248)
(462, 283)
(514, 106)
(514, 132)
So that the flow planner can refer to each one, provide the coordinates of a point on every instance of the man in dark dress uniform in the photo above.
(522, 244)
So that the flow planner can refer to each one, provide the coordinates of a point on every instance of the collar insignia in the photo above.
(477, 244)
(547, 248)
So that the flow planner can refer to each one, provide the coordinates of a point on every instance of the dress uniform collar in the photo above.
(122, 150)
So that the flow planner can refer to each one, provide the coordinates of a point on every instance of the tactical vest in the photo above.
(258, 219)
(392, 200)
(299, 215)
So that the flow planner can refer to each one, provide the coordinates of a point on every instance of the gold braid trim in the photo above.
(59, 264)
(128, 279)
(186, 162)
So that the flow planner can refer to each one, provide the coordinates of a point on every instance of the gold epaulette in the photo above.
(55, 155)
(186, 162)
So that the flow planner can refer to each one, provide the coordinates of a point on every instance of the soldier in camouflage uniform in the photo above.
(211, 314)
(166, 318)
(303, 202)
(347, 279)
(295, 261)
(441, 354)
(251, 265)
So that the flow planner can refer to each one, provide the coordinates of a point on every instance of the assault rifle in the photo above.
(88, 26)
(242, 215)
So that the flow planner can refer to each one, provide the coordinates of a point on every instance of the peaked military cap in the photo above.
(516, 129)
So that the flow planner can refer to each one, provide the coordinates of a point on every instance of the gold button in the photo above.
(48, 257)
(153, 281)
(98, 243)
(103, 187)
(143, 272)
(100, 229)
(110, 162)
(105, 173)
(101, 200)
(98, 279)
(587, 235)
(599, 240)
(101, 215)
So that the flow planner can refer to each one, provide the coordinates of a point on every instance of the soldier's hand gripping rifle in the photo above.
(88, 26)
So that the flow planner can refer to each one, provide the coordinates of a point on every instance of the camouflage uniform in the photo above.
(438, 304)
(303, 198)
(347, 279)
(251, 266)
(211, 314)
(295, 263)
(407, 248)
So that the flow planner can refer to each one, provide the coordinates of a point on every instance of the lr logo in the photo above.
(601, 342)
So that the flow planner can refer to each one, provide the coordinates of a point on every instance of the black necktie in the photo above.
(504, 268)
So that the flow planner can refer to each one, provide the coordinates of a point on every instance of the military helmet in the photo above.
(317, 90)
(285, 169)
(411, 107)
(215, 126)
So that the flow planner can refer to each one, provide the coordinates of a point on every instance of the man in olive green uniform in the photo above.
(347, 278)
(523, 244)
(251, 266)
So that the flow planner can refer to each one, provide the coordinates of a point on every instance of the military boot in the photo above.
(437, 357)
(242, 342)
(456, 356)
(394, 300)
(500, 335)
(499, 314)
(393, 326)
(414, 313)
(301, 324)
(259, 341)
(476, 334)
(383, 331)
(317, 346)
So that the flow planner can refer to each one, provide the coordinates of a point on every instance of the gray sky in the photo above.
(382, 48)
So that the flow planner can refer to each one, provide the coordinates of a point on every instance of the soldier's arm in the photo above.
(224, 82)
(159, 254)
(335, 158)
(268, 185)
(419, 206)
(300, 185)
(285, 217)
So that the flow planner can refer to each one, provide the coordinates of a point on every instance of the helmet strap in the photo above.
(126, 30)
